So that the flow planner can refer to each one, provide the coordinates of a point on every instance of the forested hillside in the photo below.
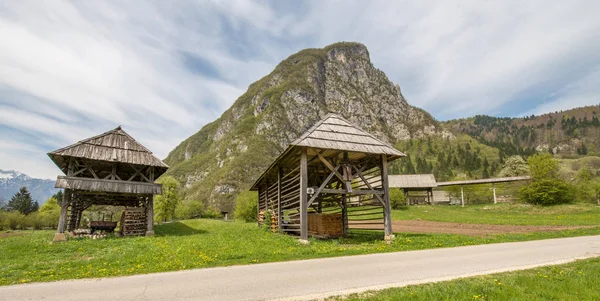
(448, 157)
(572, 132)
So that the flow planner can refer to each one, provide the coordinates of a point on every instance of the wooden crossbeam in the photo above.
(357, 192)
(312, 199)
(79, 171)
(138, 172)
(369, 185)
(90, 169)
(331, 168)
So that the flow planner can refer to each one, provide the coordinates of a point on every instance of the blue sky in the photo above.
(163, 69)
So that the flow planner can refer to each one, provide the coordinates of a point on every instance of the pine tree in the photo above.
(22, 202)
(409, 168)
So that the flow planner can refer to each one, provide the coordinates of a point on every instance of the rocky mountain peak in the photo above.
(340, 78)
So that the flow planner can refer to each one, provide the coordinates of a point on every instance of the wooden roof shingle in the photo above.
(112, 146)
(412, 181)
(335, 132)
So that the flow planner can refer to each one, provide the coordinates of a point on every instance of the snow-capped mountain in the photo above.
(11, 181)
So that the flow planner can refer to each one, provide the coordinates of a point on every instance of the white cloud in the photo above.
(583, 92)
(72, 69)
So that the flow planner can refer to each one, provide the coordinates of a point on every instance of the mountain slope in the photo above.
(572, 132)
(11, 181)
(228, 154)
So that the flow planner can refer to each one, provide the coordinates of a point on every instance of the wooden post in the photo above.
(387, 208)
(62, 220)
(462, 196)
(279, 215)
(494, 190)
(345, 214)
(303, 196)
(258, 207)
(406, 197)
(150, 216)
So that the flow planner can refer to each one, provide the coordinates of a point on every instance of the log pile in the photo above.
(325, 225)
(133, 222)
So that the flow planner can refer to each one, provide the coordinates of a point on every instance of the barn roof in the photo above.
(335, 132)
(112, 146)
(412, 181)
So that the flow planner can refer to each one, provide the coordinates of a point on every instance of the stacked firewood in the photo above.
(133, 222)
(325, 225)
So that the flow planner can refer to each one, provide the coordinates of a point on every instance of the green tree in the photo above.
(546, 187)
(543, 166)
(547, 192)
(166, 203)
(246, 206)
(22, 202)
(397, 198)
(514, 166)
(189, 209)
(49, 212)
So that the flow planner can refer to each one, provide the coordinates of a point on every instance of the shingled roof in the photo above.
(335, 132)
(112, 146)
(412, 181)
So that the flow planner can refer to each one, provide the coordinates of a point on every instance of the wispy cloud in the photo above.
(162, 69)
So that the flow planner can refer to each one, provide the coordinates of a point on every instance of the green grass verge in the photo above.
(573, 281)
(506, 214)
(204, 243)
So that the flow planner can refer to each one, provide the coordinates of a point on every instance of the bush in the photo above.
(189, 209)
(397, 198)
(547, 192)
(246, 206)
(12, 220)
(212, 213)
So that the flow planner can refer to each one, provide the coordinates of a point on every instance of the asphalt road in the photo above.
(317, 278)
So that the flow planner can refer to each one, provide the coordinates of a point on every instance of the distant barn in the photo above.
(108, 169)
(334, 177)
(415, 183)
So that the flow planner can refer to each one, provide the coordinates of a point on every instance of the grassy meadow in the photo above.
(578, 214)
(573, 281)
(28, 256)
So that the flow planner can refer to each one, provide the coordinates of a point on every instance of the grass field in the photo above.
(506, 214)
(31, 257)
(573, 281)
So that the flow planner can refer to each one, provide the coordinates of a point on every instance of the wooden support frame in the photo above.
(304, 195)
(279, 211)
(150, 216)
(387, 208)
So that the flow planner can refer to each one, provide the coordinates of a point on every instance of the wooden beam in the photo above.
(387, 208)
(70, 168)
(64, 204)
(139, 172)
(304, 195)
(279, 211)
(331, 168)
(357, 191)
(312, 199)
(369, 186)
(150, 216)
(79, 171)
(89, 168)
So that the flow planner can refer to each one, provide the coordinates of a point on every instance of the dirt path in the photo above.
(9, 234)
(416, 226)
